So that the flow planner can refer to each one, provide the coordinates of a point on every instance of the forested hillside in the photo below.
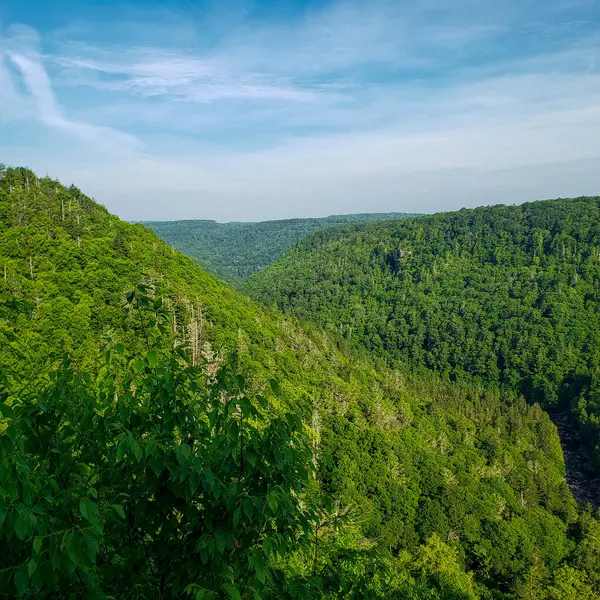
(162, 436)
(233, 251)
(509, 295)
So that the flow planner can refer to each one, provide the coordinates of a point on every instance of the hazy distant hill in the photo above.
(236, 250)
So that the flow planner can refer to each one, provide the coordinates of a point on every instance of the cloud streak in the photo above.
(148, 72)
(41, 103)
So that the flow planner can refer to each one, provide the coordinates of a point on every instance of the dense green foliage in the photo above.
(152, 481)
(508, 294)
(233, 251)
(395, 486)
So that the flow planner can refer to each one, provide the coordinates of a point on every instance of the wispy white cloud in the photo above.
(334, 46)
(49, 113)
(148, 72)
(340, 66)
(40, 103)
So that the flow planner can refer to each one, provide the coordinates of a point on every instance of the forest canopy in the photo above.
(164, 436)
(508, 295)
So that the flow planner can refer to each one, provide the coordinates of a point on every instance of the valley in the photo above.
(352, 424)
(234, 251)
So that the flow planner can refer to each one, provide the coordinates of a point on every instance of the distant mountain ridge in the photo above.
(235, 250)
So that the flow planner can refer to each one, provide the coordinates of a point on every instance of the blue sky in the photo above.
(250, 110)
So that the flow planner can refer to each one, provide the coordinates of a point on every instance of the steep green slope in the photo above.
(233, 251)
(435, 480)
(508, 294)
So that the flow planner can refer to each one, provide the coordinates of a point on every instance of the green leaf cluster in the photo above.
(151, 482)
